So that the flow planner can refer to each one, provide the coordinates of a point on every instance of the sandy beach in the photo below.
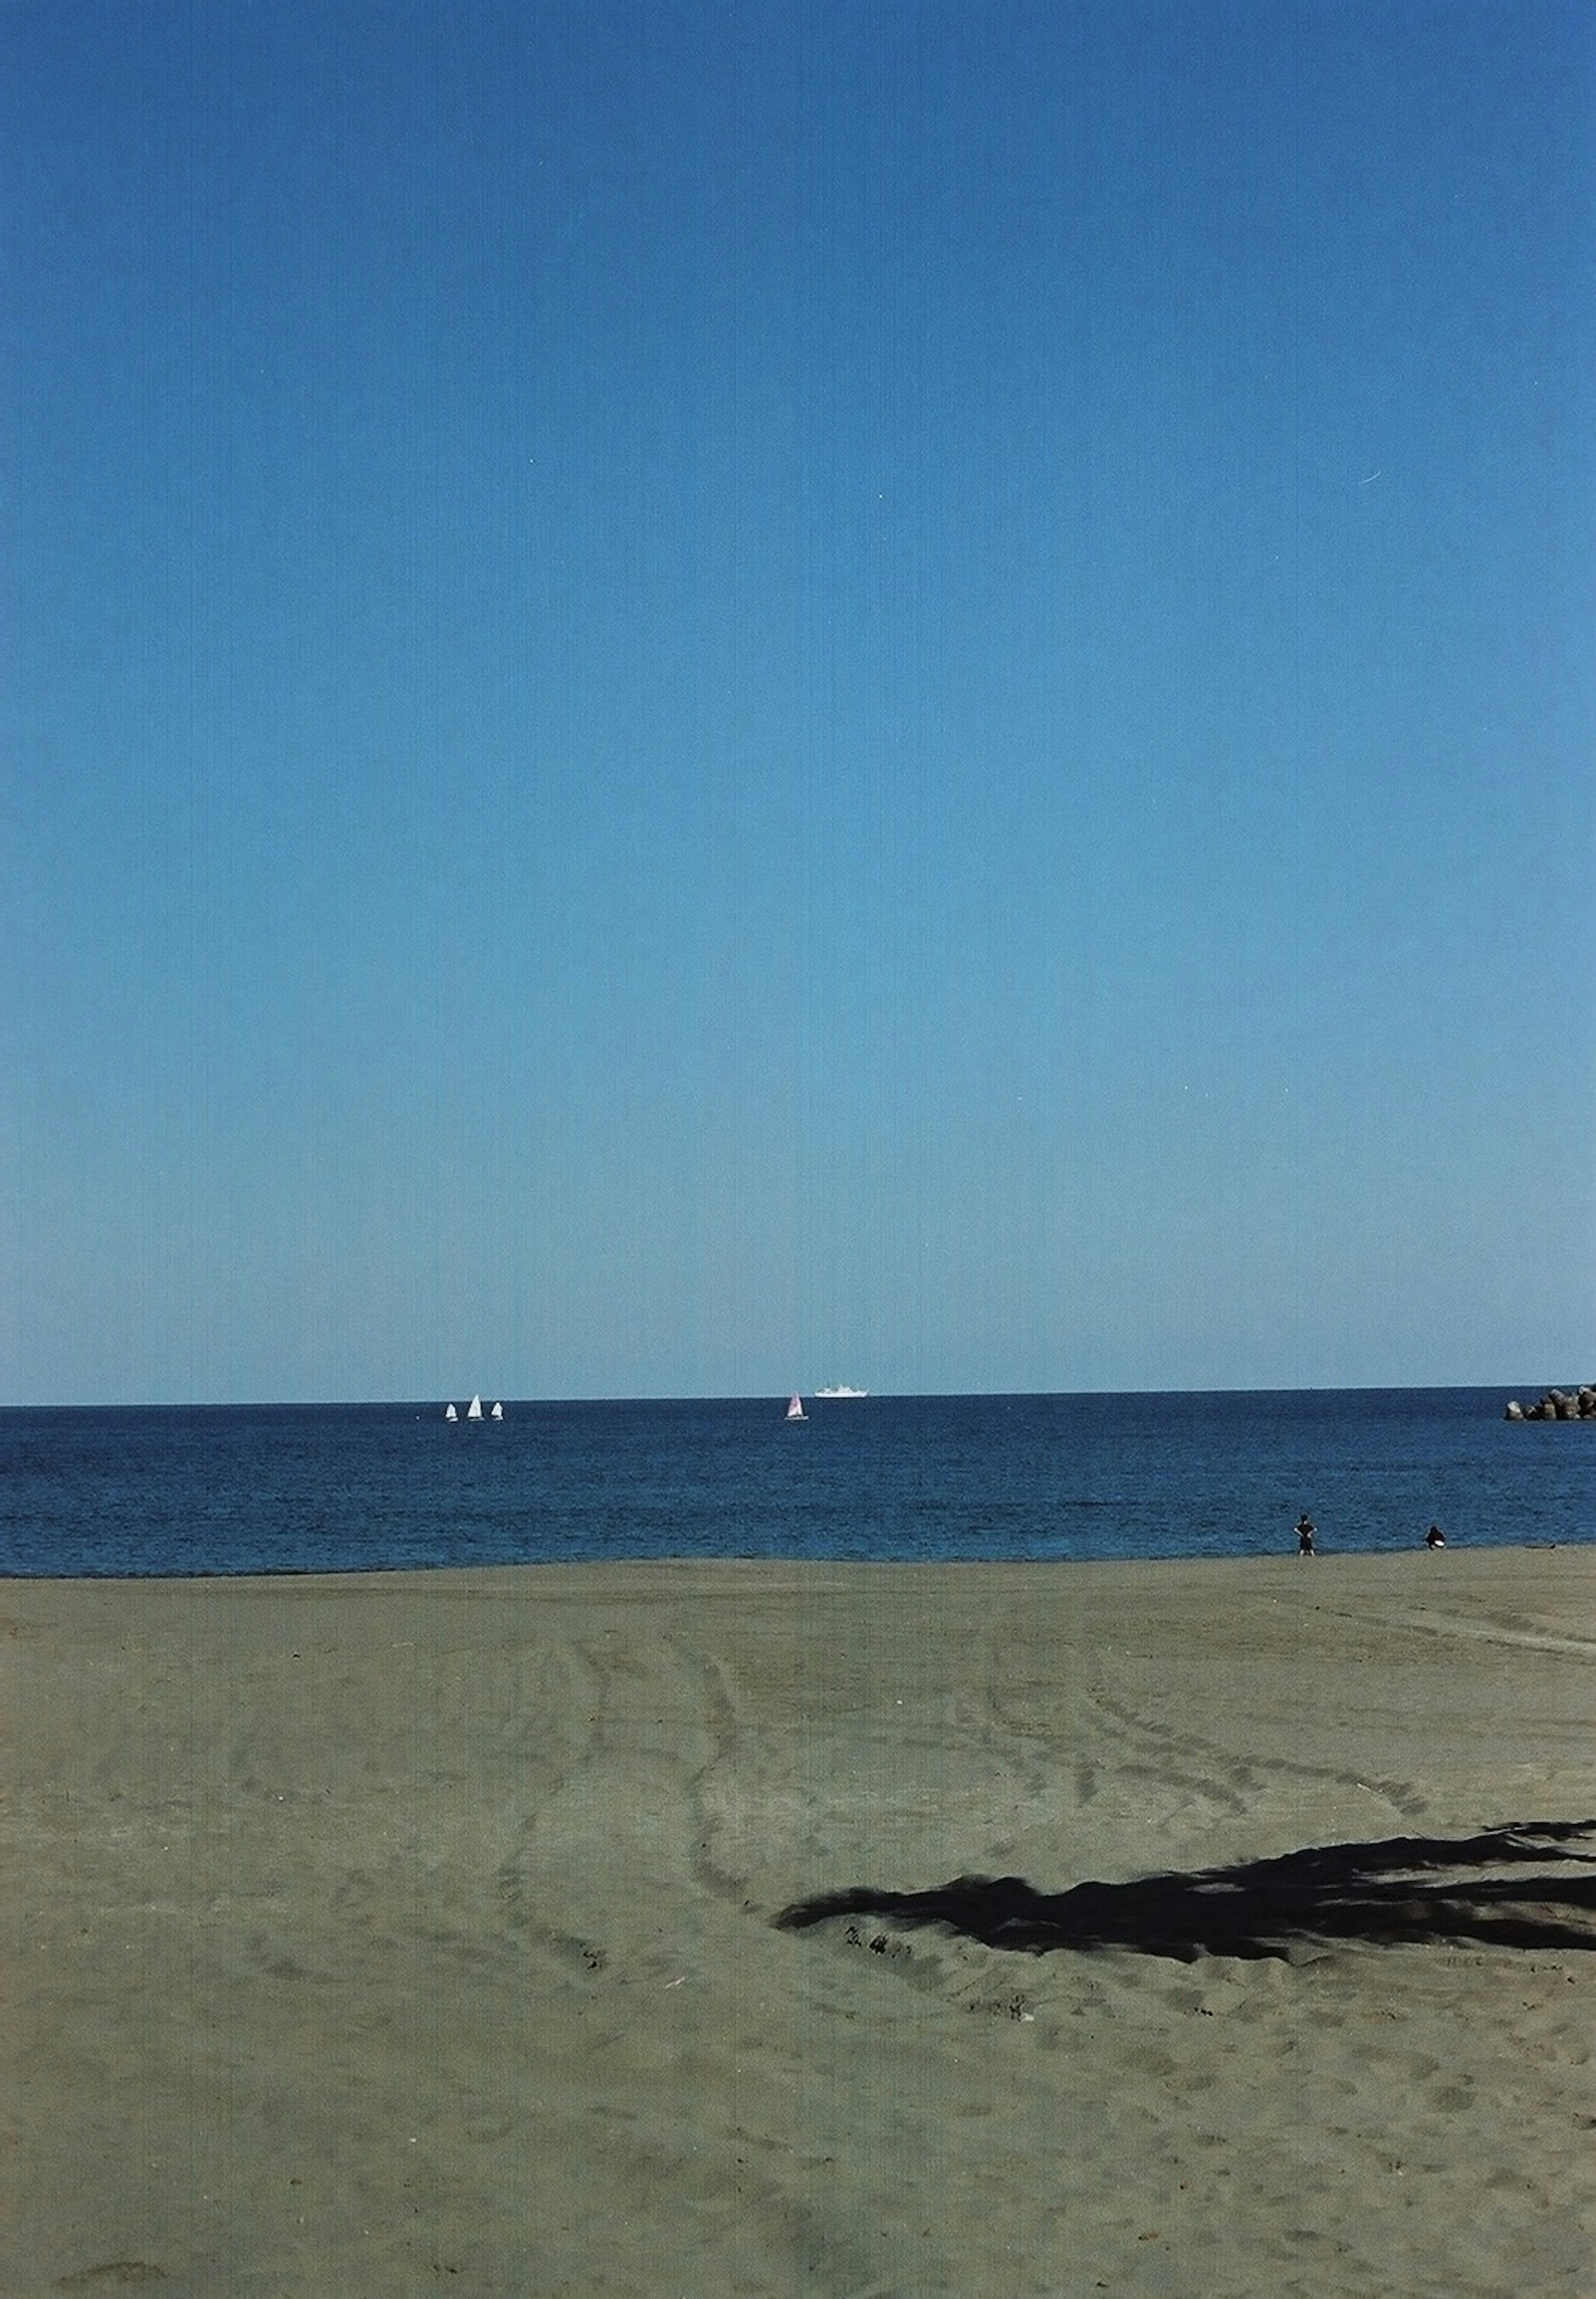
(591, 1930)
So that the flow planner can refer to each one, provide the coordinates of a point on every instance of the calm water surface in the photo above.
(294, 1489)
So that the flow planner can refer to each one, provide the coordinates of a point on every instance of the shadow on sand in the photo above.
(1525, 1885)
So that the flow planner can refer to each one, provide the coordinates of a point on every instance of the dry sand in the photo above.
(415, 1933)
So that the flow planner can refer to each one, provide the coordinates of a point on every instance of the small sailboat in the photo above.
(450, 1414)
(795, 1411)
(474, 1409)
(497, 1414)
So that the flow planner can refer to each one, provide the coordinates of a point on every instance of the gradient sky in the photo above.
(703, 697)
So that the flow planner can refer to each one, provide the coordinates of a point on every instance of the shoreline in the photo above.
(401, 1931)
(1174, 1561)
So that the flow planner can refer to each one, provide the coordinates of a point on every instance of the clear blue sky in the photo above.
(701, 698)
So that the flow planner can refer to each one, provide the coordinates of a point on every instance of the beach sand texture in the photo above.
(393, 1934)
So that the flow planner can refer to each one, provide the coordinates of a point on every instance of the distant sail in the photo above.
(497, 1414)
(795, 1411)
(474, 1409)
(450, 1414)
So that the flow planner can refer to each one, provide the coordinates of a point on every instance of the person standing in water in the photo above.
(1305, 1536)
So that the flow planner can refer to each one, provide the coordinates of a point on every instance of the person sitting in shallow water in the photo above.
(1435, 1538)
(1305, 1536)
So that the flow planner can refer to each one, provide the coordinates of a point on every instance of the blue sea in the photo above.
(358, 1488)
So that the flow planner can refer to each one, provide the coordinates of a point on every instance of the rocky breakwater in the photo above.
(1557, 1405)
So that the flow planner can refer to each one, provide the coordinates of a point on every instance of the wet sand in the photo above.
(394, 1935)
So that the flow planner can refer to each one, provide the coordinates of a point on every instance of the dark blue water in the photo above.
(296, 1489)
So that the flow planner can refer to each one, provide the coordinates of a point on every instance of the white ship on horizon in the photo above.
(840, 1391)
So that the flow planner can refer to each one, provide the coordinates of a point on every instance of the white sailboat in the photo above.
(450, 1414)
(497, 1414)
(795, 1411)
(474, 1409)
